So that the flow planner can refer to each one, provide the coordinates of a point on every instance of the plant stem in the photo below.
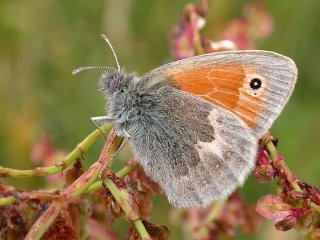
(278, 160)
(127, 204)
(144, 235)
(41, 195)
(123, 199)
(120, 174)
(126, 170)
(90, 176)
(44, 221)
(79, 186)
(315, 207)
(66, 162)
(7, 201)
(215, 211)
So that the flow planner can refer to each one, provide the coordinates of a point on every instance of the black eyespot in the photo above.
(255, 83)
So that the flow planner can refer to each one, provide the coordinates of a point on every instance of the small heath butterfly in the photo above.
(194, 124)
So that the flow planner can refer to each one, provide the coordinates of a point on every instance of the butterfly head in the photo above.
(110, 81)
(114, 81)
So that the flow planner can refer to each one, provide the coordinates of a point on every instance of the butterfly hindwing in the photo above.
(196, 151)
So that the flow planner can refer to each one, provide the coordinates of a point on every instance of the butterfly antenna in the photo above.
(114, 53)
(80, 69)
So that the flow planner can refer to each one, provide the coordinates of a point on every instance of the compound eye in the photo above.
(114, 76)
(255, 83)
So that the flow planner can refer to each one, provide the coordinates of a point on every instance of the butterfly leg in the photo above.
(99, 121)
(124, 142)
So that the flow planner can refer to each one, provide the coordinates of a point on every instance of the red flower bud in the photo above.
(286, 223)
(264, 173)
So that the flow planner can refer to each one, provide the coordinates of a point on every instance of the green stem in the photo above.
(215, 211)
(126, 170)
(144, 235)
(315, 207)
(93, 187)
(7, 201)
(127, 204)
(122, 199)
(278, 160)
(79, 186)
(90, 176)
(66, 162)
(44, 221)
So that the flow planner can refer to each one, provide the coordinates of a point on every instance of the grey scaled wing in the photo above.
(196, 151)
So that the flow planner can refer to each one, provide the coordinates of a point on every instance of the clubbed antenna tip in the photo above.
(80, 69)
(114, 53)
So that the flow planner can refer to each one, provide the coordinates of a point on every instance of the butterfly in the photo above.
(194, 124)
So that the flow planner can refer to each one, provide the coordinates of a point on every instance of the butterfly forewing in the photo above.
(253, 85)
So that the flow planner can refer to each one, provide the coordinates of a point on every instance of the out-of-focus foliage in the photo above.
(41, 42)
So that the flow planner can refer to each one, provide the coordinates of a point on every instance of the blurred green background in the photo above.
(41, 42)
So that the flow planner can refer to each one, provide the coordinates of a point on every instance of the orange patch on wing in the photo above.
(222, 86)
(250, 107)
